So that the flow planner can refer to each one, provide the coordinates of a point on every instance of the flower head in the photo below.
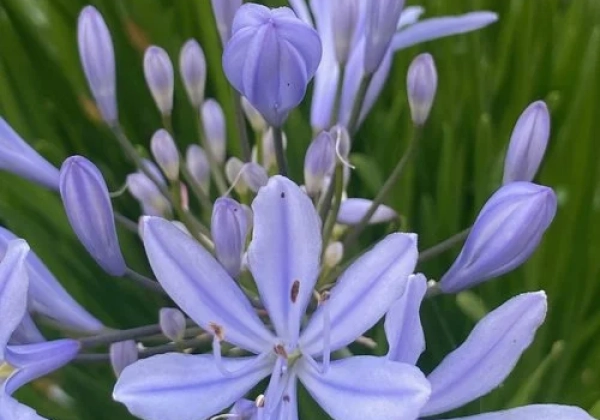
(283, 258)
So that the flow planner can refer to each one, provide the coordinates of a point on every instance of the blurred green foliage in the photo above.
(543, 49)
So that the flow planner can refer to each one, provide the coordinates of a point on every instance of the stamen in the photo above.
(216, 345)
(295, 290)
(118, 192)
(260, 407)
(326, 334)
(226, 416)
(338, 141)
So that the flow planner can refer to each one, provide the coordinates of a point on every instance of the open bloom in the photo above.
(482, 362)
(283, 257)
(24, 362)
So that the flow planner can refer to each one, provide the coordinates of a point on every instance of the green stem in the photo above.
(338, 97)
(144, 281)
(241, 125)
(279, 151)
(337, 201)
(443, 246)
(358, 103)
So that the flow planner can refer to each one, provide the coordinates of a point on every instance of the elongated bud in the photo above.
(158, 71)
(192, 66)
(382, 20)
(254, 176)
(506, 232)
(17, 157)
(229, 228)
(165, 153)
(256, 120)
(333, 254)
(318, 162)
(146, 192)
(344, 21)
(421, 86)
(224, 11)
(527, 143)
(197, 164)
(233, 168)
(214, 127)
(172, 323)
(352, 210)
(87, 204)
(122, 354)
(98, 61)
(267, 42)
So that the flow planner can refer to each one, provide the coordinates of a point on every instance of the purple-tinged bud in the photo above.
(254, 176)
(382, 20)
(344, 21)
(18, 157)
(333, 254)
(505, 234)
(352, 210)
(46, 295)
(192, 66)
(256, 120)
(421, 86)
(87, 204)
(198, 166)
(527, 143)
(165, 153)
(214, 128)
(172, 323)
(224, 11)
(147, 193)
(270, 59)
(122, 354)
(268, 142)
(158, 71)
(233, 168)
(98, 60)
(229, 228)
(318, 163)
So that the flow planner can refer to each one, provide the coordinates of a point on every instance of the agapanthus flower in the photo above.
(482, 362)
(28, 361)
(283, 258)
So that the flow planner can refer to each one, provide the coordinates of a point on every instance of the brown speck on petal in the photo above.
(295, 290)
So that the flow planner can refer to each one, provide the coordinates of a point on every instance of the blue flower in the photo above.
(283, 258)
(482, 362)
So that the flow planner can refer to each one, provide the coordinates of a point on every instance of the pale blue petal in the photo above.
(18, 157)
(284, 253)
(186, 387)
(36, 360)
(534, 412)
(27, 332)
(14, 282)
(363, 294)
(402, 325)
(352, 210)
(488, 355)
(12, 409)
(201, 286)
(47, 297)
(301, 10)
(429, 29)
(366, 387)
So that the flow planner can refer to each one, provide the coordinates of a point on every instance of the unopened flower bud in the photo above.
(158, 71)
(256, 120)
(527, 143)
(172, 323)
(318, 162)
(197, 164)
(344, 21)
(98, 60)
(381, 22)
(505, 234)
(147, 193)
(352, 210)
(233, 168)
(254, 176)
(265, 42)
(20, 158)
(214, 128)
(421, 87)
(229, 228)
(122, 354)
(333, 254)
(165, 153)
(192, 66)
(224, 11)
(89, 210)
